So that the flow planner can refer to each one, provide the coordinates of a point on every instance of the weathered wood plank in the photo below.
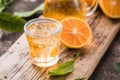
(106, 68)
(15, 64)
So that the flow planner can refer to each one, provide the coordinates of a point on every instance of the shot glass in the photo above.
(43, 39)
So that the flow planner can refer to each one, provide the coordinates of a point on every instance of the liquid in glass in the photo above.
(42, 36)
(60, 9)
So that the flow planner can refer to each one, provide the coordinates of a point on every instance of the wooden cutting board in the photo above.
(15, 64)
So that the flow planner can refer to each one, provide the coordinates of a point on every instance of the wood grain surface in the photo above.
(15, 64)
(105, 69)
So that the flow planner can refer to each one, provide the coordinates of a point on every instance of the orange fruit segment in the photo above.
(111, 8)
(75, 33)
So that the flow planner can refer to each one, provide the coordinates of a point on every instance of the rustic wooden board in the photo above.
(15, 64)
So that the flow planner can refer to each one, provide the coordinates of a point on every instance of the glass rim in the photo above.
(59, 26)
(92, 9)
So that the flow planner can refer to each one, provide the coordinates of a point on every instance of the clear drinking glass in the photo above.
(42, 35)
(60, 9)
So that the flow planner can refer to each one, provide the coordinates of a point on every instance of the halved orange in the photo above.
(111, 8)
(76, 33)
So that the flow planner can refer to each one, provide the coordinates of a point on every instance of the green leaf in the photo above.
(1, 9)
(76, 56)
(64, 68)
(11, 23)
(9, 1)
(2, 5)
(118, 68)
(30, 13)
(80, 79)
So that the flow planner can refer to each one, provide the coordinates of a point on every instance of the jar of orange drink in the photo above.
(60, 9)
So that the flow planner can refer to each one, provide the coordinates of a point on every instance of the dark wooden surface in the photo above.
(106, 67)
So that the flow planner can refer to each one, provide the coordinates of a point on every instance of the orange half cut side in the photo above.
(75, 33)
(111, 8)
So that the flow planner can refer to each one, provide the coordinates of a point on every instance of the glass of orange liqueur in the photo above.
(42, 35)
(60, 9)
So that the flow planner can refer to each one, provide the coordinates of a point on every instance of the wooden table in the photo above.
(23, 69)
(106, 67)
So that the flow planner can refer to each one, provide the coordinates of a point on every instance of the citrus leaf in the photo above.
(2, 5)
(30, 13)
(76, 56)
(2, 8)
(11, 23)
(64, 68)
(9, 1)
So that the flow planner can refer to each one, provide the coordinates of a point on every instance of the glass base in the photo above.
(44, 64)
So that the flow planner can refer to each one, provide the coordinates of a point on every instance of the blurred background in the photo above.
(8, 38)
(104, 71)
